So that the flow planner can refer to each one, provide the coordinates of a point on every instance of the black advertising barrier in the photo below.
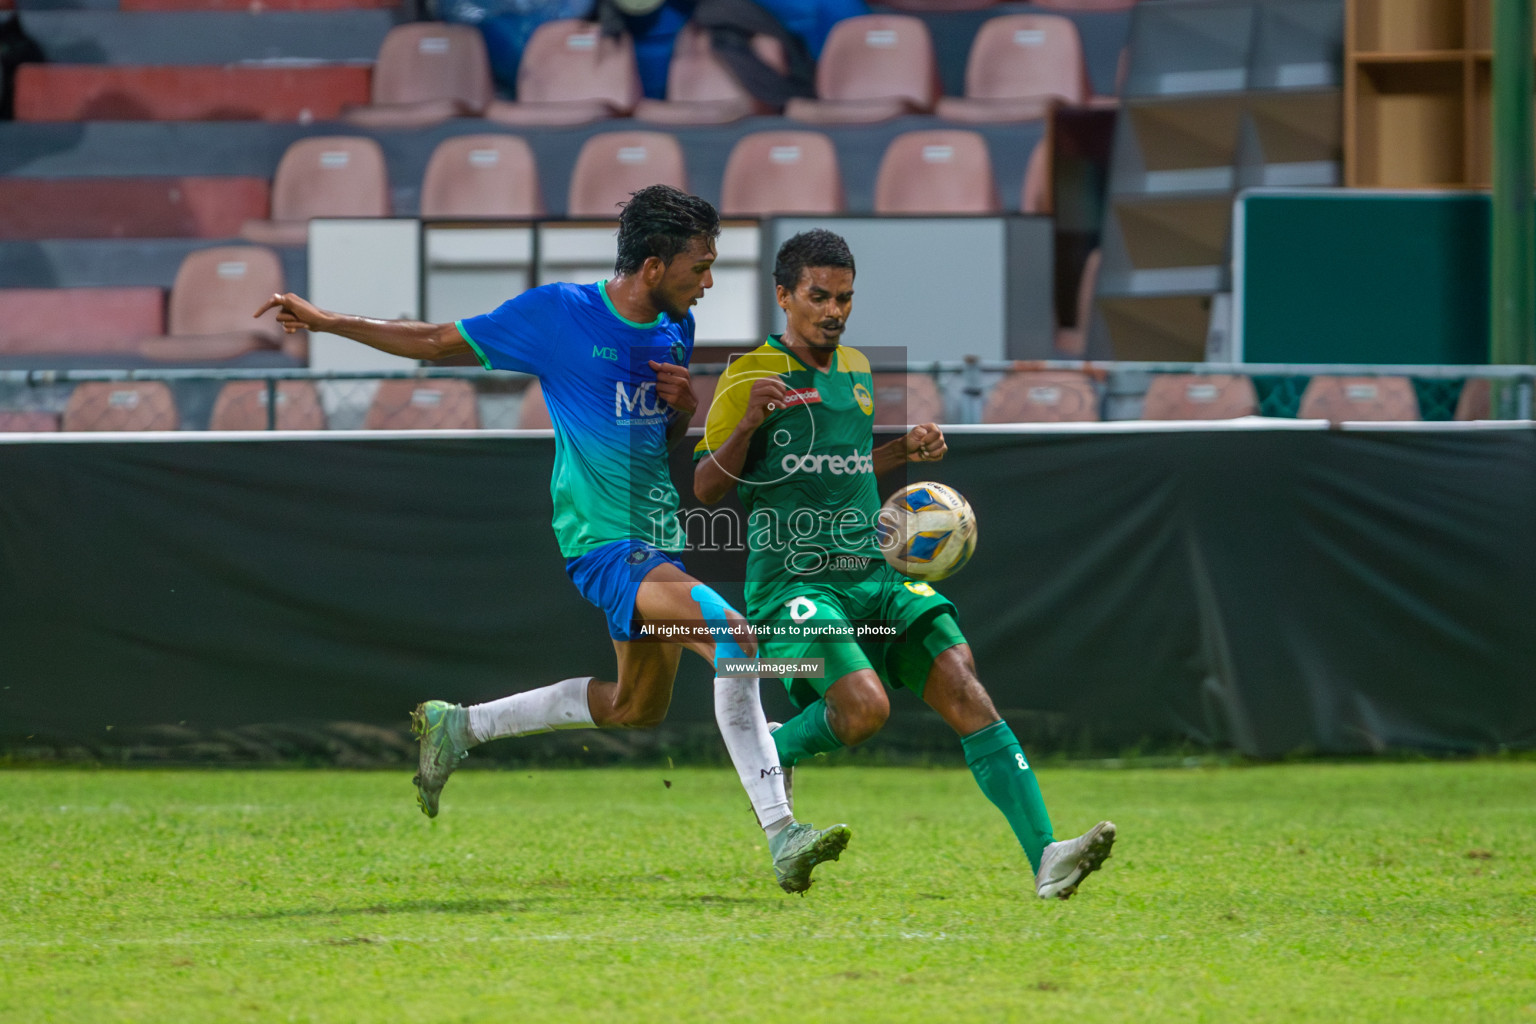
(1269, 590)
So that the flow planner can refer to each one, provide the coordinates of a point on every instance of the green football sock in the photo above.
(997, 761)
(806, 735)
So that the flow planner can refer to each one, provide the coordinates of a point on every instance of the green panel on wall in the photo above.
(1364, 277)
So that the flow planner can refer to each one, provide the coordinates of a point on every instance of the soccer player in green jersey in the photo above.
(792, 428)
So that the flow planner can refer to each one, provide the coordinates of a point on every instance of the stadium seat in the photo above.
(102, 92)
(140, 207)
(700, 89)
(423, 405)
(944, 171)
(55, 321)
(873, 67)
(938, 6)
(1073, 341)
(242, 405)
(1476, 400)
(1341, 399)
(533, 413)
(1042, 396)
(1019, 65)
(322, 176)
(1035, 196)
(781, 172)
(905, 399)
(571, 74)
(128, 405)
(704, 385)
(612, 165)
(1087, 5)
(1196, 396)
(32, 421)
(481, 176)
(427, 72)
(215, 293)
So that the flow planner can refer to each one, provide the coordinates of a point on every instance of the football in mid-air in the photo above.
(927, 531)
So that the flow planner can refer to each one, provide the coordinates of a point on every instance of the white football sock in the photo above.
(739, 713)
(561, 706)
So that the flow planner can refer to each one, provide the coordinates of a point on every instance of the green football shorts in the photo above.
(906, 624)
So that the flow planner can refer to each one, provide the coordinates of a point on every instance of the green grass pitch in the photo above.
(1304, 892)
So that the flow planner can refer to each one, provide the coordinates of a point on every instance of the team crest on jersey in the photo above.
(866, 401)
(920, 589)
(679, 353)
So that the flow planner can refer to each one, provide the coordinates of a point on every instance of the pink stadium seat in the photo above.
(29, 422)
(612, 165)
(1196, 396)
(105, 92)
(242, 405)
(322, 176)
(873, 67)
(571, 74)
(700, 89)
(77, 320)
(425, 73)
(129, 405)
(1019, 65)
(1341, 399)
(533, 413)
(423, 405)
(1042, 396)
(781, 172)
(1073, 341)
(34, 208)
(904, 399)
(945, 171)
(215, 293)
(1476, 401)
(1035, 197)
(938, 6)
(1088, 5)
(481, 176)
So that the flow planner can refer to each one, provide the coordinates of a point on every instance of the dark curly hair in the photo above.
(815, 248)
(661, 221)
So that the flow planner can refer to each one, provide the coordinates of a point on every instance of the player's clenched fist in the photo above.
(294, 313)
(674, 386)
(767, 394)
(925, 443)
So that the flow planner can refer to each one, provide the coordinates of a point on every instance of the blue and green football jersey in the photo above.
(611, 480)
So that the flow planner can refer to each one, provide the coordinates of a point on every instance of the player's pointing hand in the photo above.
(674, 386)
(767, 395)
(294, 313)
(925, 443)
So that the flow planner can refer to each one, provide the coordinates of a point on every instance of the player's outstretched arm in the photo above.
(409, 338)
(720, 470)
(923, 443)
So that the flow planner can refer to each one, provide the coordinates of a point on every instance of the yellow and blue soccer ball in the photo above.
(927, 531)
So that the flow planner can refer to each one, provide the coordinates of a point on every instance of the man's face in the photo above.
(683, 281)
(817, 310)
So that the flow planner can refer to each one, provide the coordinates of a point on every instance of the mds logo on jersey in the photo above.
(636, 403)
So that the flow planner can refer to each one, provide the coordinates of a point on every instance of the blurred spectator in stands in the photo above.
(654, 25)
(506, 26)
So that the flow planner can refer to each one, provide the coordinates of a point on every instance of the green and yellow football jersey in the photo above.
(808, 483)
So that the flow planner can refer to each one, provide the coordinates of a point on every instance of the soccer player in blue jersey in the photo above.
(612, 358)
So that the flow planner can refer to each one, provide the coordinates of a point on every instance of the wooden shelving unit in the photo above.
(1418, 83)
(1221, 95)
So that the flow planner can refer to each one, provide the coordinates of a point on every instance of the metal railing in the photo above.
(471, 398)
